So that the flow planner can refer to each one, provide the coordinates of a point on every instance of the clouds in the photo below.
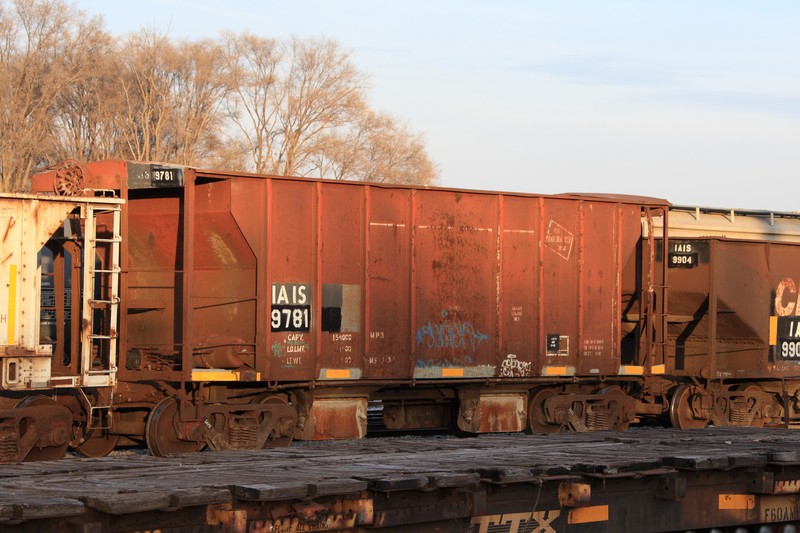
(604, 70)
(661, 86)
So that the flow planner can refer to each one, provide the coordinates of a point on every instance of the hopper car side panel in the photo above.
(455, 284)
(732, 309)
(520, 285)
(222, 296)
(152, 285)
(743, 302)
(249, 208)
(388, 272)
(561, 243)
(342, 281)
(291, 269)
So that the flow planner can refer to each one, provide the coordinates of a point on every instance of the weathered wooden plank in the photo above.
(697, 462)
(784, 456)
(271, 492)
(512, 474)
(130, 502)
(743, 460)
(399, 482)
(6, 511)
(200, 495)
(448, 479)
(337, 487)
(49, 508)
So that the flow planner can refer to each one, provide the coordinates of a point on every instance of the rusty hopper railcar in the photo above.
(734, 330)
(241, 311)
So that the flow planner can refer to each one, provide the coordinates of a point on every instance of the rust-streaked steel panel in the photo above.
(298, 280)
(432, 284)
(455, 285)
(519, 288)
(293, 271)
(342, 277)
(389, 280)
(561, 256)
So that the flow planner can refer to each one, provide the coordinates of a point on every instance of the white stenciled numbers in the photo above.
(290, 319)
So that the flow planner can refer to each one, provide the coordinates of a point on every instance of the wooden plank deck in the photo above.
(35, 496)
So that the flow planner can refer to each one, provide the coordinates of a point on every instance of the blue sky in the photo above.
(694, 101)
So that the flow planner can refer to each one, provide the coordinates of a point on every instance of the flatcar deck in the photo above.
(640, 480)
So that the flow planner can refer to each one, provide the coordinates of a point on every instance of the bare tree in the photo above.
(323, 91)
(86, 111)
(395, 155)
(40, 52)
(198, 97)
(171, 97)
(288, 96)
(255, 100)
(374, 148)
(146, 83)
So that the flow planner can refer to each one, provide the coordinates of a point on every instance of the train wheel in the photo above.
(680, 410)
(279, 442)
(49, 453)
(97, 443)
(537, 421)
(160, 434)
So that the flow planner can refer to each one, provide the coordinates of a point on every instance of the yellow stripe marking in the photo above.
(12, 304)
(452, 372)
(773, 330)
(659, 369)
(214, 375)
(554, 371)
(336, 373)
(585, 515)
(631, 370)
(737, 502)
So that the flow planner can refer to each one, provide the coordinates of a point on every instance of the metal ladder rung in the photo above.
(101, 337)
(112, 240)
(115, 301)
(116, 270)
(104, 209)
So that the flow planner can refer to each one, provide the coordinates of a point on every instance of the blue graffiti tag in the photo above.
(448, 363)
(450, 335)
